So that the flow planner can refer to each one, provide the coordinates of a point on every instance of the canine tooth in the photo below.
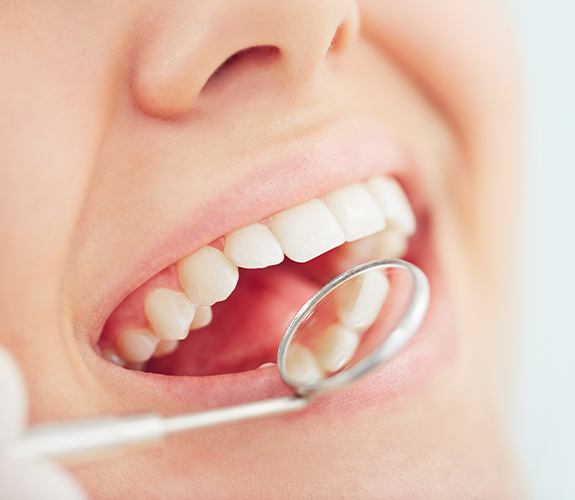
(302, 366)
(355, 210)
(112, 356)
(360, 304)
(165, 347)
(390, 244)
(306, 231)
(335, 347)
(207, 276)
(170, 313)
(203, 317)
(253, 247)
(392, 200)
(136, 345)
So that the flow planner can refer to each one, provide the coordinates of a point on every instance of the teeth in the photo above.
(335, 347)
(136, 345)
(391, 199)
(111, 356)
(306, 231)
(253, 247)
(169, 313)
(356, 211)
(302, 366)
(203, 317)
(360, 304)
(165, 347)
(374, 217)
(390, 243)
(266, 365)
(207, 276)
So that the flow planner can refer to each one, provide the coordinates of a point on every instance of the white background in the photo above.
(545, 417)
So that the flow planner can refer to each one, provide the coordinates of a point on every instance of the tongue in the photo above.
(246, 328)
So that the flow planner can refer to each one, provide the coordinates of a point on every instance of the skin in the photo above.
(107, 119)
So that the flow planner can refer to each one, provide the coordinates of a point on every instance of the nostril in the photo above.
(258, 56)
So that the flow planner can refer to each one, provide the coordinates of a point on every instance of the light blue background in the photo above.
(545, 417)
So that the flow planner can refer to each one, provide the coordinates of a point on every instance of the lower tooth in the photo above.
(302, 366)
(111, 356)
(136, 345)
(335, 346)
(266, 365)
(136, 366)
(165, 347)
(203, 317)
(390, 244)
(359, 305)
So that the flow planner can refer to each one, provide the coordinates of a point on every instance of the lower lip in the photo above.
(433, 348)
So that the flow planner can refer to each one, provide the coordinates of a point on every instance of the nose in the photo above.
(184, 42)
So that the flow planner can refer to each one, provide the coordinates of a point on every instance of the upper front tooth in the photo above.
(306, 231)
(170, 313)
(355, 210)
(335, 346)
(253, 247)
(360, 304)
(207, 276)
(393, 202)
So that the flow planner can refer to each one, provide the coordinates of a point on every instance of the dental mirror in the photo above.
(353, 325)
(349, 328)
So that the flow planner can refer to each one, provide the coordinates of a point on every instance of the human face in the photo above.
(127, 145)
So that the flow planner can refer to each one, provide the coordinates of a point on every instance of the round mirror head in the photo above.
(353, 325)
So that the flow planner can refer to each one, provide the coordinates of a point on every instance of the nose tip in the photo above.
(184, 47)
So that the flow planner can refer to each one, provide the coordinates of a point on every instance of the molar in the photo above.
(392, 200)
(112, 356)
(355, 211)
(306, 231)
(253, 247)
(169, 313)
(136, 345)
(207, 276)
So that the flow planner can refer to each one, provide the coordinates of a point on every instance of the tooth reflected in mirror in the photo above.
(351, 321)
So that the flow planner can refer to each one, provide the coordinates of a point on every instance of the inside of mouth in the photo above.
(247, 325)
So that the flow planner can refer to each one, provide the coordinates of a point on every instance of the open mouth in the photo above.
(223, 308)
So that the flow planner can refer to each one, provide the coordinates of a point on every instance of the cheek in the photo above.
(52, 112)
(473, 77)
